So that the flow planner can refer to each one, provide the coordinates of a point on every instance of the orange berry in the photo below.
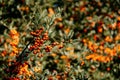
(58, 19)
(82, 8)
(50, 10)
(95, 37)
(101, 47)
(82, 63)
(53, 54)
(58, 77)
(63, 57)
(85, 30)
(108, 69)
(56, 61)
(100, 30)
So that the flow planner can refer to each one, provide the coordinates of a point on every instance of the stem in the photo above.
(21, 56)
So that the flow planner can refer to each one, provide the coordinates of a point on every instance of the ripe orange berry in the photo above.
(100, 30)
(95, 37)
(108, 69)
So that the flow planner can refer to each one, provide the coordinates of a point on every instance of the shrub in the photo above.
(59, 40)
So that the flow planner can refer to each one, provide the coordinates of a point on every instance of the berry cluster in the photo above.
(40, 37)
(37, 32)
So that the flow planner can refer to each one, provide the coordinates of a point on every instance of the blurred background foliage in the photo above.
(59, 39)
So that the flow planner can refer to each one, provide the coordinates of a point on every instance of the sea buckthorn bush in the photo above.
(59, 39)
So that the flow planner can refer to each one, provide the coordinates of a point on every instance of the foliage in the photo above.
(59, 40)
